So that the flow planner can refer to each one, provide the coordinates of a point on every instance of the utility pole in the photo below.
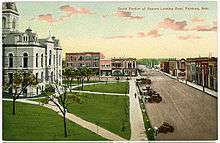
(203, 79)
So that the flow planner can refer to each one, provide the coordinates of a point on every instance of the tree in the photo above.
(21, 80)
(61, 100)
(89, 73)
(68, 74)
(64, 63)
(82, 74)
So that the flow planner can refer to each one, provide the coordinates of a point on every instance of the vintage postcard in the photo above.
(109, 71)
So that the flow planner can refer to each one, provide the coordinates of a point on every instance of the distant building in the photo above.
(191, 70)
(26, 51)
(85, 59)
(124, 67)
(181, 68)
(105, 67)
(164, 66)
(212, 74)
(102, 67)
(173, 67)
(201, 71)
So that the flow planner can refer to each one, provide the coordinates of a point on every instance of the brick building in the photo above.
(85, 59)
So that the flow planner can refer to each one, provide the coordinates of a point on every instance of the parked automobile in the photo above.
(165, 128)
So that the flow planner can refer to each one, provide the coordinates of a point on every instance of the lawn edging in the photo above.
(149, 131)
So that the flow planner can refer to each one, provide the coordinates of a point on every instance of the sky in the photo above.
(126, 29)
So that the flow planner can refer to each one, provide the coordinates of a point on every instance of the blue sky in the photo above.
(100, 26)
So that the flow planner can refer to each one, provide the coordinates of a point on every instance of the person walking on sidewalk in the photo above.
(135, 95)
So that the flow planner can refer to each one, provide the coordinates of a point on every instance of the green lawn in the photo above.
(109, 111)
(33, 122)
(118, 87)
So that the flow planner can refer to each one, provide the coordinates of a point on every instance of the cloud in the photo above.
(197, 19)
(154, 33)
(126, 14)
(141, 34)
(187, 37)
(119, 37)
(67, 10)
(168, 23)
(205, 28)
(70, 10)
(46, 17)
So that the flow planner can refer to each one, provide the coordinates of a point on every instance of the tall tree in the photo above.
(82, 73)
(21, 80)
(62, 100)
(68, 76)
(89, 73)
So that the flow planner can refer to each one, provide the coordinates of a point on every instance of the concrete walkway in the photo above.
(136, 117)
(85, 84)
(105, 93)
(85, 124)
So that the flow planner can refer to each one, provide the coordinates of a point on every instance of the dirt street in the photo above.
(192, 112)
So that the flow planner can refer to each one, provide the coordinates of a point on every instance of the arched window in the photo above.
(3, 22)
(10, 60)
(25, 60)
(42, 60)
(37, 60)
(50, 58)
(13, 24)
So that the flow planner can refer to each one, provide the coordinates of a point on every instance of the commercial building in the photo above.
(85, 59)
(102, 66)
(124, 67)
(105, 67)
(201, 70)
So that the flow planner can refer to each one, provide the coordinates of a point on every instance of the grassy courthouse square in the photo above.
(109, 71)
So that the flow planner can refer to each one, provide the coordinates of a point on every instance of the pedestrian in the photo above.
(135, 95)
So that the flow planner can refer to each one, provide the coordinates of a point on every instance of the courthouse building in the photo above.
(27, 52)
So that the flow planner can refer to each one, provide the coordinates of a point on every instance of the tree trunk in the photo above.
(14, 98)
(78, 82)
(82, 83)
(64, 123)
(71, 84)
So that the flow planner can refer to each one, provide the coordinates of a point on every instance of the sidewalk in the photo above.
(102, 93)
(136, 118)
(85, 84)
(85, 124)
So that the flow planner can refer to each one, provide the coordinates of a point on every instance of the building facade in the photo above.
(212, 74)
(85, 59)
(27, 52)
(181, 69)
(201, 70)
(124, 67)
(173, 67)
(102, 66)
(105, 67)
